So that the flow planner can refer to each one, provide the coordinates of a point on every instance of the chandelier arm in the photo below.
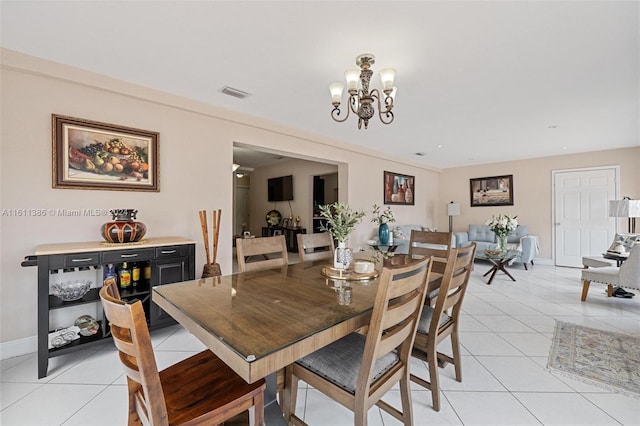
(354, 103)
(335, 113)
(388, 103)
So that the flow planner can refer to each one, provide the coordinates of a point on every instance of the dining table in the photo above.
(259, 322)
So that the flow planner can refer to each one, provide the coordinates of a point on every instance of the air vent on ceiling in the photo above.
(234, 92)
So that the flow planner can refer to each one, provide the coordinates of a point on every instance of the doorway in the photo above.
(582, 226)
(325, 191)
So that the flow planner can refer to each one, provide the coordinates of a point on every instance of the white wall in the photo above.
(195, 145)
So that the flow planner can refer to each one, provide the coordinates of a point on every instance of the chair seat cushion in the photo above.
(425, 319)
(340, 361)
(607, 275)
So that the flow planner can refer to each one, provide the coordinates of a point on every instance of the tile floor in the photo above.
(506, 332)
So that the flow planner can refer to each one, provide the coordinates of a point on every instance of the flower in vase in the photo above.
(382, 217)
(340, 220)
(502, 224)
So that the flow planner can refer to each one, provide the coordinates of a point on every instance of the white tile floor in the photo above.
(506, 332)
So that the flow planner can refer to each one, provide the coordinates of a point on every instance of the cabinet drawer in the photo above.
(127, 255)
(171, 251)
(81, 259)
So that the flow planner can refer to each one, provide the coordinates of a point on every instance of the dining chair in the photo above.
(201, 389)
(627, 275)
(436, 323)
(308, 244)
(436, 244)
(265, 248)
(357, 370)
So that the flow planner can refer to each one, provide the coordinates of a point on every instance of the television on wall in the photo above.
(280, 188)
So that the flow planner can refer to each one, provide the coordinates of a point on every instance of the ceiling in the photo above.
(478, 81)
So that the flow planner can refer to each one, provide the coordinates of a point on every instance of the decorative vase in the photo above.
(502, 243)
(342, 257)
(124, 228)
(383, 234)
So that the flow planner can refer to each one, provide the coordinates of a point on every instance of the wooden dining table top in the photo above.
(261, 321)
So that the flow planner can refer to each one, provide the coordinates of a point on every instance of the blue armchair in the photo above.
(486, 239)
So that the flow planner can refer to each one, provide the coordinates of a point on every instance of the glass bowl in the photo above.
(69, 291)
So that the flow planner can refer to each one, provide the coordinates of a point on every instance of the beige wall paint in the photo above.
(532, 183)
(196, 142)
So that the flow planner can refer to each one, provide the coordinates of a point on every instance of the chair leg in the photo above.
(525, 266)
(455, 348)
(609, 290)
(585, 290)
(407, 404)
(433, 378)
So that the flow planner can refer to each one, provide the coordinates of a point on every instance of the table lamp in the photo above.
(626, 208)
(453, 209)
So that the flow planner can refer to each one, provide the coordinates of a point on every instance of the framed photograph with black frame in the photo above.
(93, 155)
(399, 189)
(492, 191)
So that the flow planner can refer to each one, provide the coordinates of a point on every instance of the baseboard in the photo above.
(18, 347)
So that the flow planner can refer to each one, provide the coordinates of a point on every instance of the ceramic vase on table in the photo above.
(124, 228)
(383, 234)
(342, 256)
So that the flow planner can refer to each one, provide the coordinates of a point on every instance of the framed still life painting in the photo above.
(399, 188)
(492, 191)
(92, 155)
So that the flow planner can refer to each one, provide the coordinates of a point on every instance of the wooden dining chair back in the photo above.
(425, 243)
(255, 254)
(357, 370)
(316, 246)
(441, 320)
(198, 390)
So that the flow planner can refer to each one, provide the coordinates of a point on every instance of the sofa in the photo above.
(486, 239)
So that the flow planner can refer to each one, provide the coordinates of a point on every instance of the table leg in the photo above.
(272, 412)
(494, 269)
(502, 268)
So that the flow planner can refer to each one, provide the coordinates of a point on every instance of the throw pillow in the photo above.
(624, 240)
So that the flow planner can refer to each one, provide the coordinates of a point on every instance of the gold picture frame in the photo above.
(94, 155)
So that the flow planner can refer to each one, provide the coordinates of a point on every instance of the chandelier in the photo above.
(361, 99)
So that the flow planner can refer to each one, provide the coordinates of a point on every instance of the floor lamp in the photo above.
(453, 209)
(626, 208)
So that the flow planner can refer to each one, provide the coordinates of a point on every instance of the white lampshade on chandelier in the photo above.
(361, 98)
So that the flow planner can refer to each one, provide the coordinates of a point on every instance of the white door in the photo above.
(581, 215)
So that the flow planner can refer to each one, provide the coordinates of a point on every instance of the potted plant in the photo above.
(382, 218)
(340, 222)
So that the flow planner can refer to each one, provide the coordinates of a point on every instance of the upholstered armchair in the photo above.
(627, 275)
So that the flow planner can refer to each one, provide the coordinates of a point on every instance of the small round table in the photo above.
(498, 261)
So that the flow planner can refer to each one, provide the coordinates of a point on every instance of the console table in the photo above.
(171, 259)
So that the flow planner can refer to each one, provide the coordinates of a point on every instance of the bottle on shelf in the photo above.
(109, 274)
(147, 273)
(124, 276)
(135, 274)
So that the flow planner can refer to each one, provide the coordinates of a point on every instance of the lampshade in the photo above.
(624, 208)
(453, 209)
(336, 92)
(386, 77)
(352, 77)
(235, 167)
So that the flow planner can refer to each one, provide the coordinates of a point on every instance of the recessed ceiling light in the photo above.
(553, 126)
(564, 147)
(420, 154)
(438, 146)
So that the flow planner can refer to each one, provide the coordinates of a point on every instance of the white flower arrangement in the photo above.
(502, 224)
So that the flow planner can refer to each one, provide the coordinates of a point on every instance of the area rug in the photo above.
(602, 358)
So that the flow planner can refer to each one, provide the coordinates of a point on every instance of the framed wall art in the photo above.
(92, 155)
(399, 188)
(492, 191)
